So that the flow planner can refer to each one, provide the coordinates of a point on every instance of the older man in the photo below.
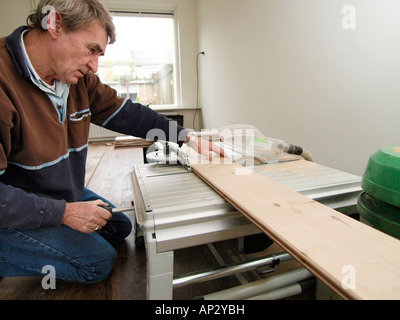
(49, 95)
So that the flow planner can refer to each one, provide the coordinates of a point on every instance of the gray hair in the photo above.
(76, 14)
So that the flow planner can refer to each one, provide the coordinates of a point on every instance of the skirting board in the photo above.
(353, 259)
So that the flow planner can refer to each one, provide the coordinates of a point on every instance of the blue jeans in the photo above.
(75, 256)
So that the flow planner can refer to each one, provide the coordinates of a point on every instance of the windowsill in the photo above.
(172, 108)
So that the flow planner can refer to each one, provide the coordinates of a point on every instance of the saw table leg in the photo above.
(160, 270)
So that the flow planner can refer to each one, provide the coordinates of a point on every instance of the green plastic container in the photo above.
(382, 176)
(380, 215)
(379, 204)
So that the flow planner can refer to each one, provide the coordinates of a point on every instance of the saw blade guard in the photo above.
(246, 145)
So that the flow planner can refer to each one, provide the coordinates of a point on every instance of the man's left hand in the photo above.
(204, 147)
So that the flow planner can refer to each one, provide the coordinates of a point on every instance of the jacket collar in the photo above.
(13, 44)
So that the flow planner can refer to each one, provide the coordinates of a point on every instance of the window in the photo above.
(140, 65)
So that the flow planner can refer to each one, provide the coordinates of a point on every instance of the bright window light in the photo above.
(140, 65)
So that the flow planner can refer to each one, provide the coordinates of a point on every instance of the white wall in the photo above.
(13, 14)
(289, 68)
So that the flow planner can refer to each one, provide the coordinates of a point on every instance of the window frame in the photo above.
(170, 13)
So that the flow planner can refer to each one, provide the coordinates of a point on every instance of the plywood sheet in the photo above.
(355, 260)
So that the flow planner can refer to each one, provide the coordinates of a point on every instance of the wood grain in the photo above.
(335, 248)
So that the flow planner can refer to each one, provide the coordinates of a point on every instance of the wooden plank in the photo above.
(131, 142)
(108, 184)
(355, 260)
(93, 160)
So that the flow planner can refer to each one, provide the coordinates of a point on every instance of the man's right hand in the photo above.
(86, 217)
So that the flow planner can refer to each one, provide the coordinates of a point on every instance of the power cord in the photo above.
(197, 87)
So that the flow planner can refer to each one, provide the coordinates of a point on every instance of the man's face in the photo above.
(78, 52)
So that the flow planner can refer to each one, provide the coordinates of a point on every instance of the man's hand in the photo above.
(86, 217)
(204, 147)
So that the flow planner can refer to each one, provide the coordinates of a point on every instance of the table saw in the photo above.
(175, 209)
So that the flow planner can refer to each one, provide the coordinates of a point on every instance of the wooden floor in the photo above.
(108, 172)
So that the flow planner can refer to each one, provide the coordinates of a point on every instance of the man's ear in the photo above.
(54, 22)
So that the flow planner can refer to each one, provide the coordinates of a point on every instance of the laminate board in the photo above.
(353, 259)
